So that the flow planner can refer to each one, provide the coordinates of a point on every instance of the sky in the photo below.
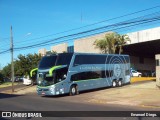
(35, 21)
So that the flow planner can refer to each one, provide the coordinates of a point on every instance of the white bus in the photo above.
(74, 72)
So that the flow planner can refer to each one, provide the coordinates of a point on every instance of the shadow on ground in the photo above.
(4, 95)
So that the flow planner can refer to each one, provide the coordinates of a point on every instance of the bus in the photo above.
(75, 72)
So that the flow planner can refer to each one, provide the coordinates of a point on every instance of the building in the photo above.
(85, 45)
(60, 48)
(42, 52)
(142, 49)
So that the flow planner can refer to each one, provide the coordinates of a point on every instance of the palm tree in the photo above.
(122, 40)
(108, 44)
(112, 40)
(102, 45)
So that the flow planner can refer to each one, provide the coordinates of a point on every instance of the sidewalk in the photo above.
(145, 95)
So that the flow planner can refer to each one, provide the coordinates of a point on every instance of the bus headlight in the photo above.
(39, 82)
(52, 89)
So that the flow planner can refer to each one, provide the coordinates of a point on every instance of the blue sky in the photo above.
(32, 19)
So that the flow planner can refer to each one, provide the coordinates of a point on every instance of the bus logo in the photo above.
(117, 70)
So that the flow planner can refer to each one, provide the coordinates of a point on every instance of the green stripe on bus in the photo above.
(53, 68)
(62, 81)
(87, 80)
(31, 73)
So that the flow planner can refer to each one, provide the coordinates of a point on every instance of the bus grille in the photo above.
(43, 89)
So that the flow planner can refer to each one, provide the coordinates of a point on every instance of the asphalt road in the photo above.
(33, 102)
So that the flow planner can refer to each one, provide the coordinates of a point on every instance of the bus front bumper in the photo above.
(45, 91)
(48, 91)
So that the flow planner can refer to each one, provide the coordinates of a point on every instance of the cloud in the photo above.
(28, 34)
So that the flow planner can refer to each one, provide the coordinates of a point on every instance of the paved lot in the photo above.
(144, 95)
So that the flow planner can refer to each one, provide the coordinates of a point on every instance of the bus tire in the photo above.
(114, 83)
(120, 83)
(77, 92)
(73, 90)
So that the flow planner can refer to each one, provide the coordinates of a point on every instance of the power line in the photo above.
(46, 43)
(96, 23)
(34, 46)
(113, 25)
(123, 26)
(92, 30)
(87, 25)
(90, 24)
(132, 22)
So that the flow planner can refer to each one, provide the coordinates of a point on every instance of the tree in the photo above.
(108, 44)
(112, 42)
(122, 41)
(23, 65)
(102, 44)
(112, 39)
(1, 78)
(7, 71)
(27, 63)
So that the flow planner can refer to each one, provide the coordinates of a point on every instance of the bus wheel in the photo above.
(119, 83)
(114, 83)
(77, 92)
(73, 90)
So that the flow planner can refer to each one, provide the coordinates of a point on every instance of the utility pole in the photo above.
(12, 63)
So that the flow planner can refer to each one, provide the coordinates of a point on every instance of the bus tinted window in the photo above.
(47, 62)
(88, 75)
(64, 59)
(89, 59)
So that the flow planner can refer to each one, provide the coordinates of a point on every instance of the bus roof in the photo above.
(79, 53)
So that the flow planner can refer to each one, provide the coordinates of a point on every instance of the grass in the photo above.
(7, 84)
(137, 79)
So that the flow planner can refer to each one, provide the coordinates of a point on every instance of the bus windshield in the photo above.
(55, 60)
(47, 62)
(64, 59)
(59, 75)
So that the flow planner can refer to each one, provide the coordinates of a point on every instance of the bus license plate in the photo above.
(43, 93)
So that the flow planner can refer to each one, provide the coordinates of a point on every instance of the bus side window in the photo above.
(61, 74)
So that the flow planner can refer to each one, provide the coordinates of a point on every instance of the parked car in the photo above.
(154, 74)
(135, 73)
(27, 81)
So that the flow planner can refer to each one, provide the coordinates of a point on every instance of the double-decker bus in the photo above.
(73, 72)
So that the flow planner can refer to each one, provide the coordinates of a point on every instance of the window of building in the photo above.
(157, 62)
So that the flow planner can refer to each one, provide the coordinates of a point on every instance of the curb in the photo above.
(140, 79)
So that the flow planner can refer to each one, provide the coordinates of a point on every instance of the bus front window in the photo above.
(58, 76)
(45, 80)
